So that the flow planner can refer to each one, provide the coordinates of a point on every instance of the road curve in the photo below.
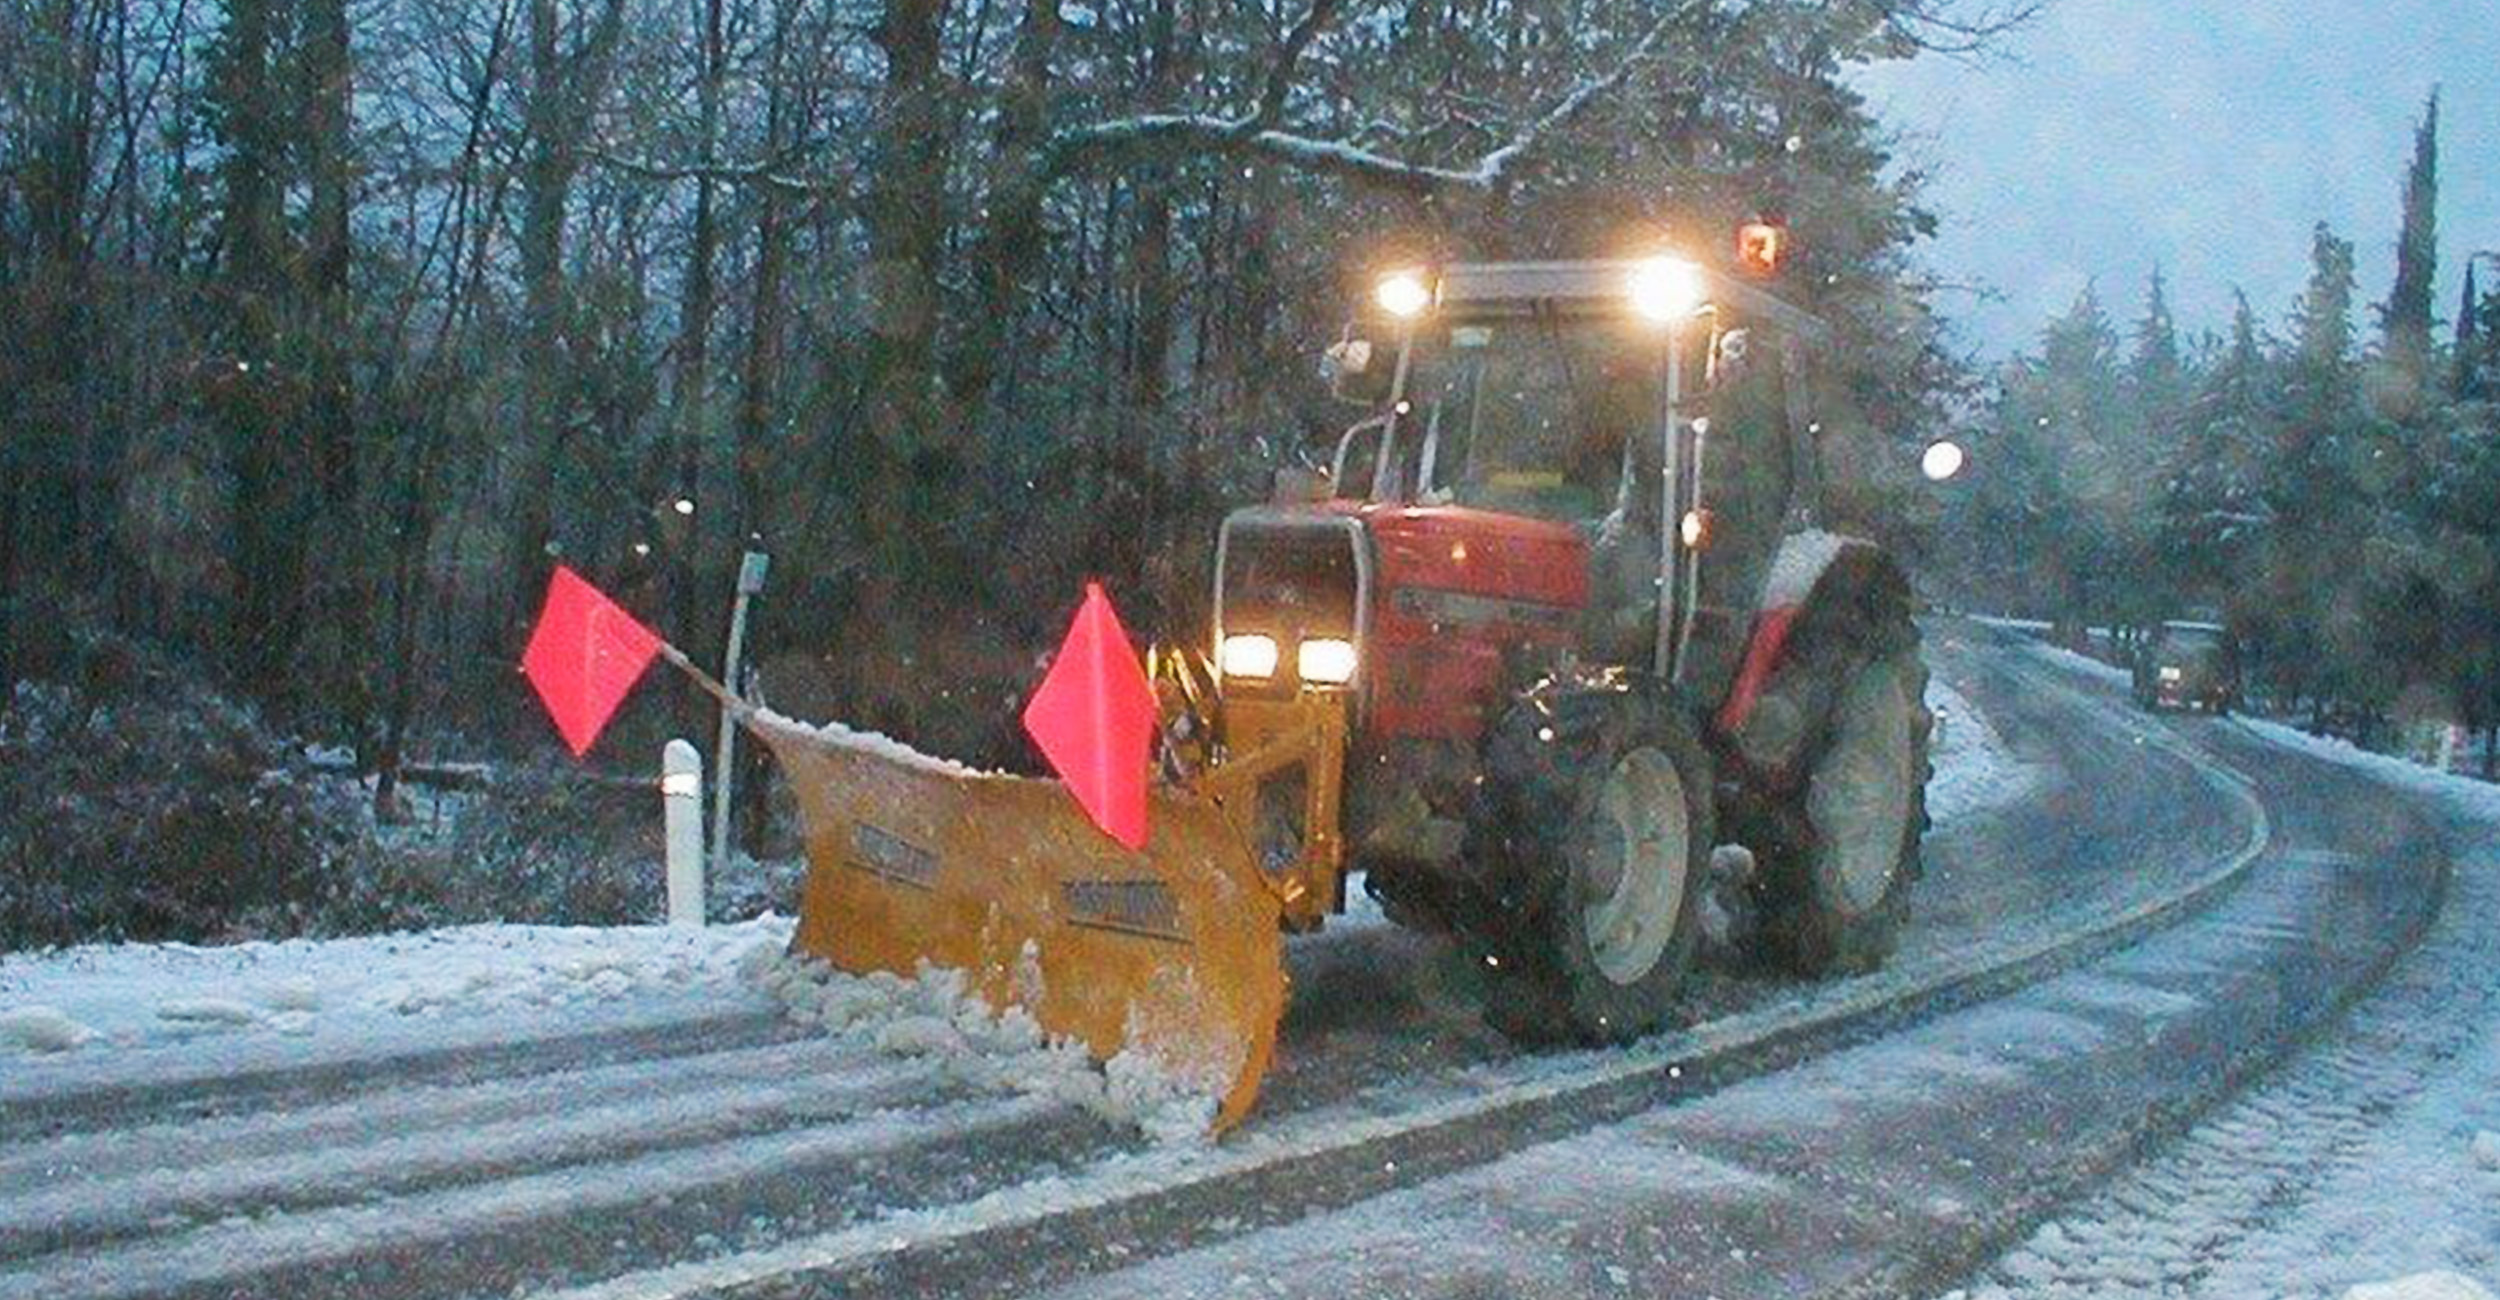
(757, 1162)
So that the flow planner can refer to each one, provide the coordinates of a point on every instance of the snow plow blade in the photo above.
(1172, 954)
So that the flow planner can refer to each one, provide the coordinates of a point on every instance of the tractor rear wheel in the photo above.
(1591, 838)
(1844, 849)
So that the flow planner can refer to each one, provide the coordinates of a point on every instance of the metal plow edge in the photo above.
(1172, 954)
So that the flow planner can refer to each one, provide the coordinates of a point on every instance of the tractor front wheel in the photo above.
(1591, 837)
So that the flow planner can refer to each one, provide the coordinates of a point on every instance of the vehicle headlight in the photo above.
(1326, 661)
(1248, 655)
(1666, 289)
(1403, 294)
(2172, 675)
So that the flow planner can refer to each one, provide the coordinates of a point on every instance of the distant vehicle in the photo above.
(2185, 665)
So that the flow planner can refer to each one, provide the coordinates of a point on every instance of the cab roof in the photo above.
(1499, 286)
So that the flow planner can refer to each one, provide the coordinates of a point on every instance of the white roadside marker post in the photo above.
(751, 570)
(681, 799)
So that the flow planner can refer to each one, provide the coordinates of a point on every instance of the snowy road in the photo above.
(1399, 1149)
(2371, 1156)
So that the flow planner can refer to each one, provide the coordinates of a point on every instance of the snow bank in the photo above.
(937, 1016)
(117, 996)
(2084, 664)
(2473, 797)
(41, 1029)
(1975, 771)
(2422, 1286)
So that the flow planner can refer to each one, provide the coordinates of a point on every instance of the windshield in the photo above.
(1532, 414)
(2189, 640)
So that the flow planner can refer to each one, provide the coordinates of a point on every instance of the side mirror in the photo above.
(1730, 357)
(1356, 372)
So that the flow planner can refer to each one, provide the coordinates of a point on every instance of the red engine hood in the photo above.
(1451, 548)
(1454, 592)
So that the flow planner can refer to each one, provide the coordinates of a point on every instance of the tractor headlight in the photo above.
(1326, 661)
(1248, 655)
(1666, 289)
(2172, 675)
(1403, 294)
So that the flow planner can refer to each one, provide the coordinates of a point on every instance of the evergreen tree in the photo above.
(2469, 342)
(2305, 603)
(2405, 319)
(2478, 344)
(2321, 362)
(2155, 368)
(2087, 496)
(2211, 506)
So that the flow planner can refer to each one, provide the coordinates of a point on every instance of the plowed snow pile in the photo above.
(936, 1016)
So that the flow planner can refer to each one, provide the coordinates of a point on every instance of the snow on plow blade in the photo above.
(1171, 954)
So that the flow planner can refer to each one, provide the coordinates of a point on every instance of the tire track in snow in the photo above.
(2170, 1225)
(440, 1241)
(424, 1107)
(95, 1103)
(83, 1212)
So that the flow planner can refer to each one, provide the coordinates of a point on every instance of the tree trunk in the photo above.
(1011, 242)
(564, 89)
(50, 420)
(693, 382)
(910, 460)
(340, 590)
(546, 182)
(11, 488)
(259, 395)
(762, 368)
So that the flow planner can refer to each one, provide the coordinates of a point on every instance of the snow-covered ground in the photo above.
(2086, 664)
(103, 998)
(2368, 1168)
(538, 1154)
(155, 1000)
(1975, 771)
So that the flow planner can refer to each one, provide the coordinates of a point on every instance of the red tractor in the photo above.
(1557, 621)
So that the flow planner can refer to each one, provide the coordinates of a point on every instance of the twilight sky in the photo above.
(2205, 135)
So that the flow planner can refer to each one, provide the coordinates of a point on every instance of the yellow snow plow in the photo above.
(1128, 915)
(1170, 955)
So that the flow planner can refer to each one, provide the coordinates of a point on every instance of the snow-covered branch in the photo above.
(759, 174)
(1256, 134)
(1089, 146)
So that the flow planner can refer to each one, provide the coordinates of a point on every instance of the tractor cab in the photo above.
(1598, 458)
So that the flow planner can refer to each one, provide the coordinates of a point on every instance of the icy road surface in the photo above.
(673, 1135)
(2368, 1166)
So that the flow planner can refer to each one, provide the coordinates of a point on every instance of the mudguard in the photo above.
(1768, 711)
